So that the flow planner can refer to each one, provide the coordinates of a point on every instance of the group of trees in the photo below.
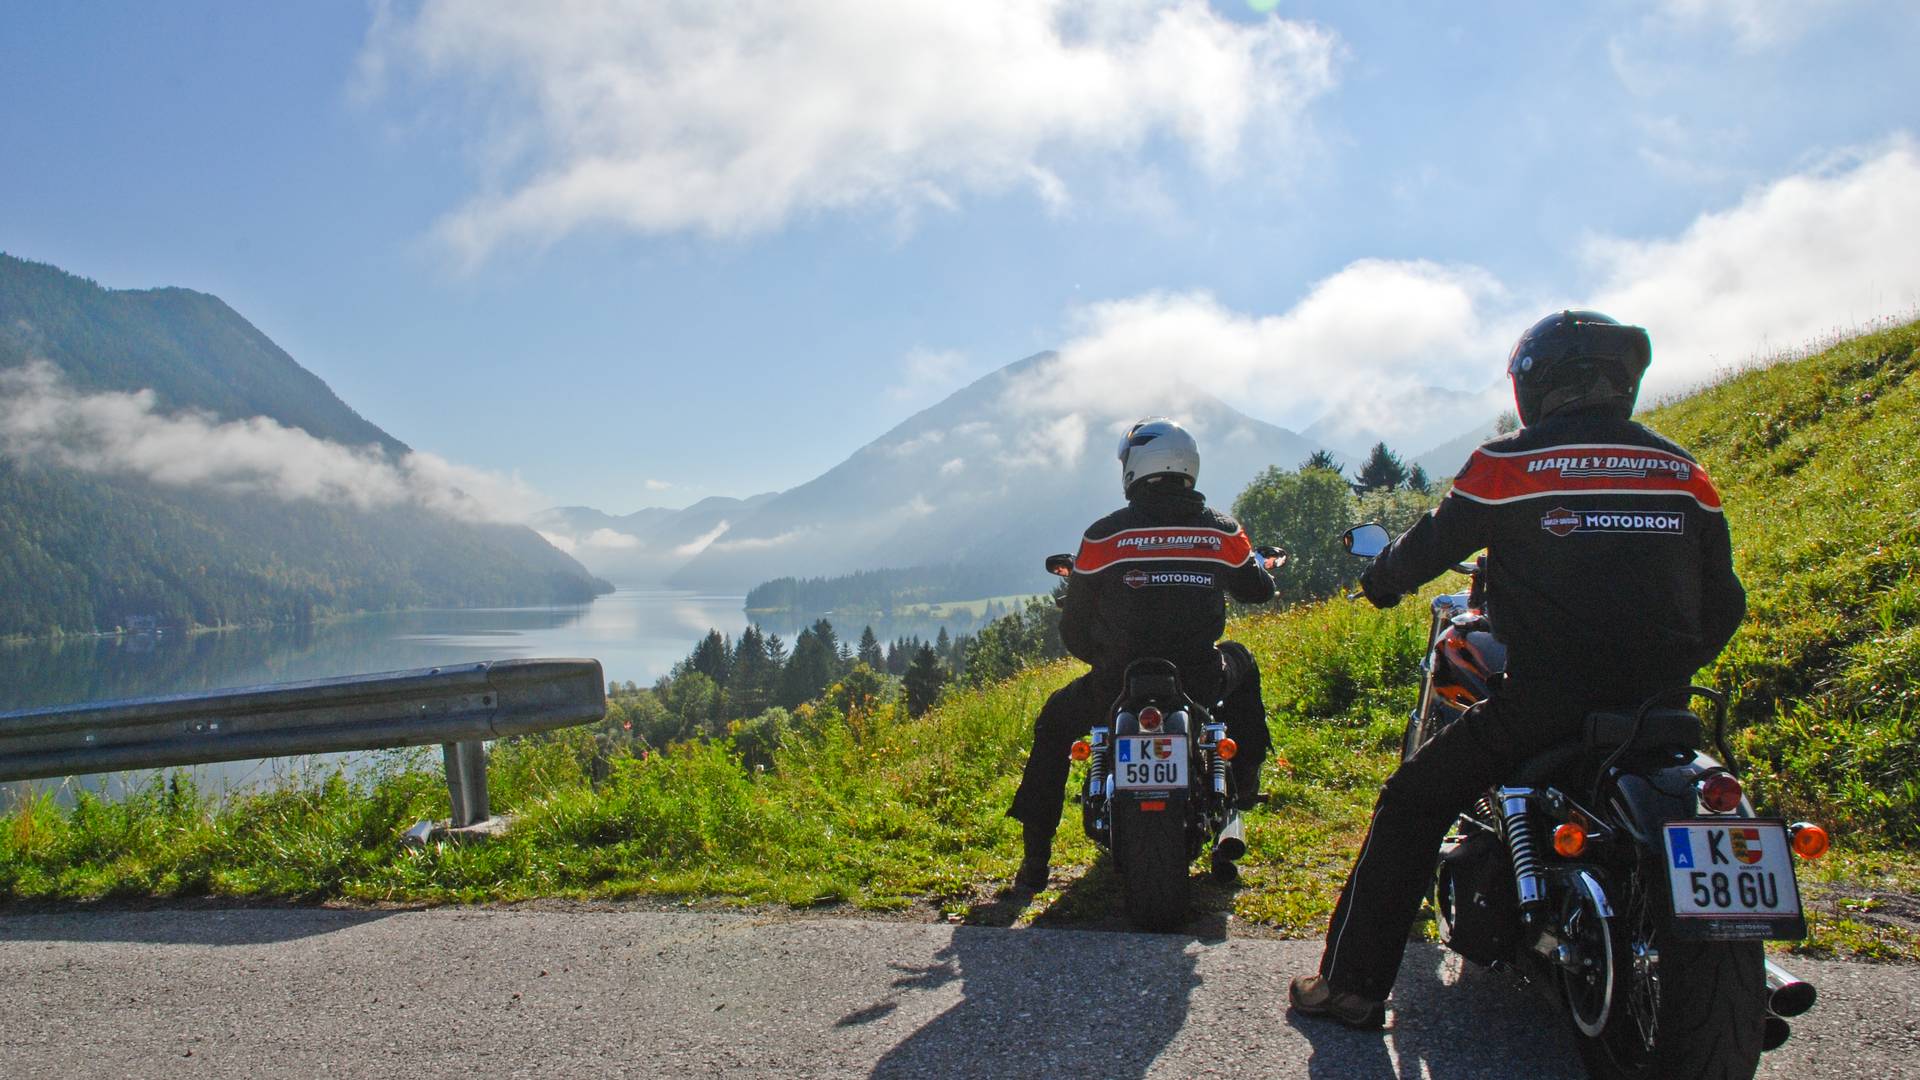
(1306, 510)
(759, 691)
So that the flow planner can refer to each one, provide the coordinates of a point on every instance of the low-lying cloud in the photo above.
(1826, 250)
(44, 419)
(731, 119)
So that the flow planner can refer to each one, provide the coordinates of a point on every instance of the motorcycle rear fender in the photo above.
(1126, 804)
(1649, 798)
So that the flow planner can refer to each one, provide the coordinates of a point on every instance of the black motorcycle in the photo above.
(1158, 788)
(1625, 875)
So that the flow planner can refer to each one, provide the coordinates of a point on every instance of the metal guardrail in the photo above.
(458, 707)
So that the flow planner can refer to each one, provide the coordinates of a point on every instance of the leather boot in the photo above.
(1033, 868)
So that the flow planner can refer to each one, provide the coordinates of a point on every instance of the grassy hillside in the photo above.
(1819, 464)
(888, 813)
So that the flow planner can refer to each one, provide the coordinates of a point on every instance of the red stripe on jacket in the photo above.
(1181, 542)
(1589, 469)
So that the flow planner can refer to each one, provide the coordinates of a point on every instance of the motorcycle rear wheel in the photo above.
(1709, 1014)
(1151, 849)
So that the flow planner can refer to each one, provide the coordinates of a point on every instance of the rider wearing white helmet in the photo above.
(1150, 579)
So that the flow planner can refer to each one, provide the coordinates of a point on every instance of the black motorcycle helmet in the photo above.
(1578, 360)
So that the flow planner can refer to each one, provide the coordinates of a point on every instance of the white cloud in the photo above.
(699, 543)
(953, 466)
(1372, 321)
(1827, 250)
(42, 418)
(1756, 24)
(610, 540)
(559, 540)
(1823, 251)
(670, 115)
(657, 485)
(761, 543)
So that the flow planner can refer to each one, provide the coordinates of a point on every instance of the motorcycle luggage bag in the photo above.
(1485, 909)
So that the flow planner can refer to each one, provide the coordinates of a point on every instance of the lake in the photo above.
(636, 635)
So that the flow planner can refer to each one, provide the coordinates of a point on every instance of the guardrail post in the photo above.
(466, 764)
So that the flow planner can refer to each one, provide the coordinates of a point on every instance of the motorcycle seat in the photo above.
(1662, 729)
(1605, 731)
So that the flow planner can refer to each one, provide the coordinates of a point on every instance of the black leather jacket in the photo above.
(1607, 552)
(1151, 579)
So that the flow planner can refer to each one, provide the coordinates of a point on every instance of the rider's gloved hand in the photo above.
(1373, 594)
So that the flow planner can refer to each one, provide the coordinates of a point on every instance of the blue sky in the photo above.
(640, 254)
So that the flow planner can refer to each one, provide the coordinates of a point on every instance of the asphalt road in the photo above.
(248, 992)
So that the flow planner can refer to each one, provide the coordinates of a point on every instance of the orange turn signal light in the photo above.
(1081, 751)
(1810, 841)
(1570, 840)
(1226, 749)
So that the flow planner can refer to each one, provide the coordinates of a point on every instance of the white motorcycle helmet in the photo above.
(1154, 447)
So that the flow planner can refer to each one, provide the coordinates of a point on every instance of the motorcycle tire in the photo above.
(1708, 1024)
(1151, 850)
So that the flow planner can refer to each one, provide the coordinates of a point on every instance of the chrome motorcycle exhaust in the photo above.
(1787, 994)
(1773, 1033)
(1233, 838)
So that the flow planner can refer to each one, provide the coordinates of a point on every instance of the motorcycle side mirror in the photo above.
(1060, 565)
(1271, 558)
(1365, 541)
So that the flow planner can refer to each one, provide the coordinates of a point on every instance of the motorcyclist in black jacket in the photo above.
(1150, 579)
(1609, 576)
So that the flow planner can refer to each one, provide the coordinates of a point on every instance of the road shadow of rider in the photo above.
(1447, 1012)
(1026, 999)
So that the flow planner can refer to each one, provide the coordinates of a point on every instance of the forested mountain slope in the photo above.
(85, 551)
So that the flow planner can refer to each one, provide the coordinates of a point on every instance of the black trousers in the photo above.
(1368, 932)
(1230, 676)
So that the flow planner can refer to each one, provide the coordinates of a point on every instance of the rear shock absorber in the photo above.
(1097, 764)
(1516, 820)
(1218, 764)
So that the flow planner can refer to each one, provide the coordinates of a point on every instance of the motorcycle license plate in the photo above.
(1149, 762)
(1733, 879)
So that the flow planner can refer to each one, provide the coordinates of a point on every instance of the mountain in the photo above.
(998, 474)
(92, 550)
(1405, 418)
(189, 348)
(1444, 461)
(645, 547)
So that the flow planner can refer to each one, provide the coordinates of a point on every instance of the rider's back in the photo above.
(1607, 549)
(1151, 579)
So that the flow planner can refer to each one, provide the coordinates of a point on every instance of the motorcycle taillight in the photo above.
(1720, 793)
(1150, 719)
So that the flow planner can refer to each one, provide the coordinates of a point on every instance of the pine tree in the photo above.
(1417, 480)
(1320, 459)
(713, 657)
(870, 653)
(923, 681)
(1383, 469)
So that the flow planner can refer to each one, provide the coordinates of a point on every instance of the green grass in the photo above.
(1817, 460)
